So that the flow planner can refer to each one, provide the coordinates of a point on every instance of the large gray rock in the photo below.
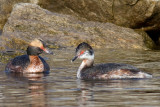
(28, 21)
(5, 10)
(128, 13)
(136, 14)
(139, 14)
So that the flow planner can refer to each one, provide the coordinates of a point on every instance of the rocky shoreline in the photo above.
(28, 21)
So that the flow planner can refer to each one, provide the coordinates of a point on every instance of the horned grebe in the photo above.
(30, 63)
(103, 71)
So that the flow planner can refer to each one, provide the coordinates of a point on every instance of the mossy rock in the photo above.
(6, 55)
(15, 43)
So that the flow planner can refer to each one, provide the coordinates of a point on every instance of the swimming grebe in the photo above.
(30, 63)
(103, 71)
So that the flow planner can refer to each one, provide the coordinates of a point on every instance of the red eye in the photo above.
(81, 52)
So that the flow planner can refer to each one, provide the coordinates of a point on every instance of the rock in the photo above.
(5, 10)
(139, 14)
(28, 21)
(127, 13)
(135, 14)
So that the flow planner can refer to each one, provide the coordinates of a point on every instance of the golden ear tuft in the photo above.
(36, 42)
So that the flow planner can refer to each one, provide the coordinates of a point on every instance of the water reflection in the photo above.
(26, 76)
(38, 98)
(115, 92)
(61, 88)
(35, 88)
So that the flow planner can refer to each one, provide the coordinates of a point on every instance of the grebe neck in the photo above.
(85, 64)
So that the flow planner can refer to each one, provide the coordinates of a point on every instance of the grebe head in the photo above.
(36, 47)
(84, 51)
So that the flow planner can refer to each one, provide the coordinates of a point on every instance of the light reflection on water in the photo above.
(61, 88)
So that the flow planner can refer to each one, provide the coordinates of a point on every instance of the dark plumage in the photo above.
(88, 70)
(30, 63)
(98, 70)
(20, 63)
(84, 46)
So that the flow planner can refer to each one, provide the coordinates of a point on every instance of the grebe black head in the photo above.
(103, 71)
(84, 51)
(37, 47)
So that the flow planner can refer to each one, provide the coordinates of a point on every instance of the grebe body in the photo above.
(88, 70)
(32, 62)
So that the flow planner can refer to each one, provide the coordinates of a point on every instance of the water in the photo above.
(60, 88)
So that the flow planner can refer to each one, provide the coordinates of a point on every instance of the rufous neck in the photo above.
(34, 58)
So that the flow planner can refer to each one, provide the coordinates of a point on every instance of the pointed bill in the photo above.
(74, 58)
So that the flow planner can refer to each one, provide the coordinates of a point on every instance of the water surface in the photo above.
(60, 88)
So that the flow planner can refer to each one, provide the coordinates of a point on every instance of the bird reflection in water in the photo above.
(90, 90)
(36, 87)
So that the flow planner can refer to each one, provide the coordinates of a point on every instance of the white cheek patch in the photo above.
(86, 55)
